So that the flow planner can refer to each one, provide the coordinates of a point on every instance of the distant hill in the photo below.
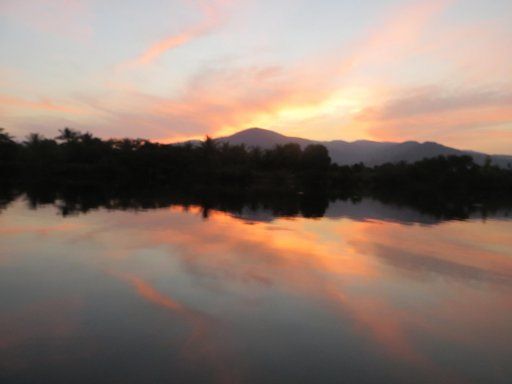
(362, 151)
(263, 138)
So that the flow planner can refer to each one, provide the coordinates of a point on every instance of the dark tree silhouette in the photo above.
(316, 157)
(68, 135)
(74, 157)
(5, 138)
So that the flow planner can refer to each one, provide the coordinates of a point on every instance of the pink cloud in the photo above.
(212, 17)
(432, 113)
(396, 37)
(41, 104)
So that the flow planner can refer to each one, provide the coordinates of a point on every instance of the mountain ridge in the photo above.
(362, 151)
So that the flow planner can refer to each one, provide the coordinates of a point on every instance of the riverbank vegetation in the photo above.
(80, 158)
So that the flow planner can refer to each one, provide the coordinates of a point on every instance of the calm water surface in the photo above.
(368, 293)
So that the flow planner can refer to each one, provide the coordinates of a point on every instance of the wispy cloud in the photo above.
(227, 98)
(430, 100)
(212, 17)
(396, 37)
(41, 104)
(373, 87)
(435, 113)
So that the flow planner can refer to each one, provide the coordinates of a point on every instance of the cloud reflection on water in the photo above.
(427, 300)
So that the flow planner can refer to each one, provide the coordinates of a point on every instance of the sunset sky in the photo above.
(168, 70)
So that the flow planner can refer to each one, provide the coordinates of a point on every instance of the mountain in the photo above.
(263, 138)
(362, 151)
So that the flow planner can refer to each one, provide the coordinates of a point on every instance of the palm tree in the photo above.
(68, 135)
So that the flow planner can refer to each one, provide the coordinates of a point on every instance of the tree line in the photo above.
(74, 157)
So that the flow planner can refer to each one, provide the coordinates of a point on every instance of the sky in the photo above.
(170, 70)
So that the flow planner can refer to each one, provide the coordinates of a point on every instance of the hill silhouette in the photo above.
(362, 151)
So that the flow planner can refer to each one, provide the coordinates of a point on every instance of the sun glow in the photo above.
(343, 105)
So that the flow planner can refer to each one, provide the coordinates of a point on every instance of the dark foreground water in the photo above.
(368, 293)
